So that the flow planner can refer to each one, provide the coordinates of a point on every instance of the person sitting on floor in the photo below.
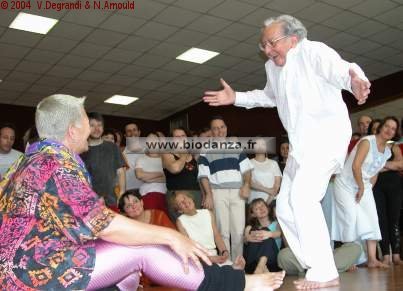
(262, 237)
(345, 258)
(200, 226)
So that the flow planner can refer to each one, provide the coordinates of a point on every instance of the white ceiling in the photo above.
(101, 53)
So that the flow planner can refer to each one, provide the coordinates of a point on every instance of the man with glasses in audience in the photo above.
(304, 82)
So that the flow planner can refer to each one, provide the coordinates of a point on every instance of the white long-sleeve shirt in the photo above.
(307, 94)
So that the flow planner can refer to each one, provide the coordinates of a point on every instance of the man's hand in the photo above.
(359, 87)
(225, 96)
(244, 192)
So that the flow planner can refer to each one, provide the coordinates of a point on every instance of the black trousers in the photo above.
(255, 250)
(223, 278)
(388, 196)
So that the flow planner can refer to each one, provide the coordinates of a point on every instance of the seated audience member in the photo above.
(131, 205)
(284, 148)
(266, 175)
(355, 211)
(149, 170)
(69, 220)
(181, 172)
(200, 226)
(8, 155)
(262, 238)
(345, 258)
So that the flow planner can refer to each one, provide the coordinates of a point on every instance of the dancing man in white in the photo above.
(304, 82)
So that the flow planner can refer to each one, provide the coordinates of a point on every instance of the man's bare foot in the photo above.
(304, 284)
(239, 263)
(377, 264)
(353, 268)
(264, 282)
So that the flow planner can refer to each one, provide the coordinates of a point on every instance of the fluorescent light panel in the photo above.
(121, 100)
(196, 55)
(33, 23)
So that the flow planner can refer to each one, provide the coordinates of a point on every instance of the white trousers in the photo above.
(229, 210)
(301, 218)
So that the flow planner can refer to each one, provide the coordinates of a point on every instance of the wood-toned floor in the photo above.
(361, 280)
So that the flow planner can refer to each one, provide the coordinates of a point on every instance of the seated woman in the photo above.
(355, 214)
(200, 226)
(57, 234)
(149, 170)
(131, 204)
(262, 237)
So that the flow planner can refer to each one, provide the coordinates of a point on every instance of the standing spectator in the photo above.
(225, 179)
(104, 162)
(8, 155)
(388, 194)
(284, 149)
(355, 210)
(363, 123)
(131, 153)
(149, 170)
(266, 175)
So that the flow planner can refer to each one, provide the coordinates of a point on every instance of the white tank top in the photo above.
(200, 229)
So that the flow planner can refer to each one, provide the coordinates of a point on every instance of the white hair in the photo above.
(56, 113)
(290, 25)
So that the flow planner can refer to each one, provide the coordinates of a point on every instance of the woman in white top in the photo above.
(200, 226)
(149, 170)
(355, 215)
(266, 175)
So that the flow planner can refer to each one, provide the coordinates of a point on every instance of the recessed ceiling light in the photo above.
(121, 100)
(196, 55)
(33, 23)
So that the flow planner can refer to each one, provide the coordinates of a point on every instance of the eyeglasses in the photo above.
(271, 43)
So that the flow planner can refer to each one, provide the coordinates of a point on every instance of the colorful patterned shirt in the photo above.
(49, 217)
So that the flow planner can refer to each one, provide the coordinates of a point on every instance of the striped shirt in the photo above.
(224, 171)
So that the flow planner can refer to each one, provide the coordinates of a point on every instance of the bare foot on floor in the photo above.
(353, 268)
(239, 263)
(264, 282)
(377, 264)
(304, 284)
(398, 262)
